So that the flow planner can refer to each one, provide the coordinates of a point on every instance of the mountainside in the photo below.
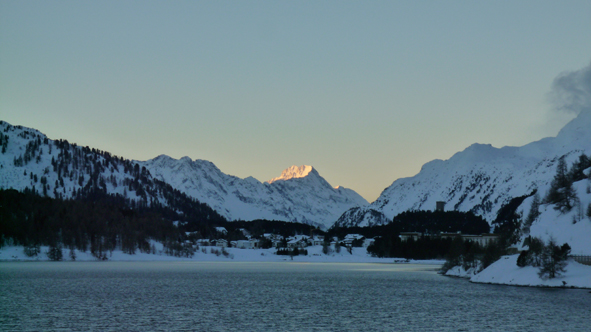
(479, 179)
(300, 194)
(31, 162)
(572, 227)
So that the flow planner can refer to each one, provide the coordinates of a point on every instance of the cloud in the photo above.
(571, 91)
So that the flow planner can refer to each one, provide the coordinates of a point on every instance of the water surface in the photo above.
(285, 296)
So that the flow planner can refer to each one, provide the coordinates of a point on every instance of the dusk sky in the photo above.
(364, 91)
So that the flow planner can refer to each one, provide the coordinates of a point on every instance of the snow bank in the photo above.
(506, 272)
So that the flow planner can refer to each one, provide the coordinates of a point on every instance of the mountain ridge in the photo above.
(299, 194)
(56, 168)
(31, 162)
(294, 172)
(480, 178)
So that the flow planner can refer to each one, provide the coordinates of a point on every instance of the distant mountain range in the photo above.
(479, 179)
(300, 194)
(31, 161)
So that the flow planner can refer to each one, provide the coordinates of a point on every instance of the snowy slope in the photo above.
(573, 227)
(480, 179)
(300, 194)
(59, 169)
(30, 161)
(39, 172)
(506, 272)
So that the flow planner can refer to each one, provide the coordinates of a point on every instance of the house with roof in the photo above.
(247, 244)
(317, 240)
(297, 242)
(350, 238)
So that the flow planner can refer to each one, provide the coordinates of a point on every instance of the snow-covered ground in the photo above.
(359, 255)
(506, 272)
(572, 227)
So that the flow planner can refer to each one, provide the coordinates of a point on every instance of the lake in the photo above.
(286, 296)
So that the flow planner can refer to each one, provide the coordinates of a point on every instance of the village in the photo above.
(269, 240)
(276, 241)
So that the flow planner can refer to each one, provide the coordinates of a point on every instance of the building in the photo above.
(297, 243)
(350, 238)
(405, 236)
(483, 239)
(317, 240)
(247, 244)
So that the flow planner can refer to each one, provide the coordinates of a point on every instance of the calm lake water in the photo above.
(234, 296)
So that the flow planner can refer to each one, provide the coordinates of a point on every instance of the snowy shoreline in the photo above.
(315, 255)
(506, 272)
(503, 272)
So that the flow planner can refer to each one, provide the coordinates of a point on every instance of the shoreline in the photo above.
(506, 272)
(315, 255)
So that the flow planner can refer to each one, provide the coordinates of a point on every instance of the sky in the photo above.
(365, 91)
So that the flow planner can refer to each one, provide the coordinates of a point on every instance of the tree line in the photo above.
(387, 237)
(561, 193)
(100, 223)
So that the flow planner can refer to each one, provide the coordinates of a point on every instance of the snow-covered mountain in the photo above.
(480, 179)
(31, 161)
(300, 194)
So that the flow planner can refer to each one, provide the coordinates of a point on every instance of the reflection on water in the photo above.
(235, 296)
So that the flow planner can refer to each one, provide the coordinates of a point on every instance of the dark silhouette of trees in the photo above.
(561, 192)
(550, 258)
(423, 248)
(434, 222)
(508, 221)
(576, 173)
(533, 214)
(99, 223)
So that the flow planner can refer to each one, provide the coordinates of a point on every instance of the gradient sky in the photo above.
(366, 92)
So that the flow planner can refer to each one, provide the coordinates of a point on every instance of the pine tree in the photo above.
(577, 171)
(561, 192)
(554, 259)
(534, 213)
(326, 246)
(55, 253)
